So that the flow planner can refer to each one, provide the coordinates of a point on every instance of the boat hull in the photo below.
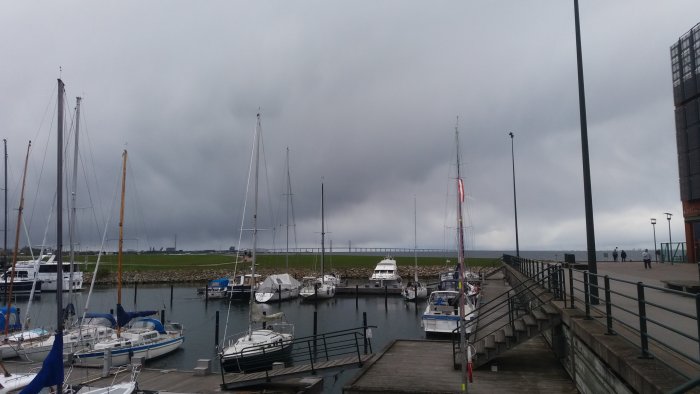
(286, 294)
(258, 361)
(20, 288)
(122, 356)
(239, 292)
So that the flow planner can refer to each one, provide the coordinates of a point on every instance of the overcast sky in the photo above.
(365, 94)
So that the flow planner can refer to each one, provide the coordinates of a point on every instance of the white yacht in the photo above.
(46, 273)
(386, 273)
(442, 314)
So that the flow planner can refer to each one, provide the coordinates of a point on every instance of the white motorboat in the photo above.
(45, 269)
(277, 287)
(442, 314)
(257, 349)
(386, 274)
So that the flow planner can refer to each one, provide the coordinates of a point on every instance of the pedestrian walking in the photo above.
(623, 255)
(615, 254)
(646, 258)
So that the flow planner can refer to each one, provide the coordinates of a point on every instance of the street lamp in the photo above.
(653, 225)
(515, 204)
(668, 217)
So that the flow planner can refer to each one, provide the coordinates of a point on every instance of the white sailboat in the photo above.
(143, 336)
(415, 290)
(324, 286)
(257, 349)
(447, 308)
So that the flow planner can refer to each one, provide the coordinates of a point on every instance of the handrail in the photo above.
(308, 349)
(625, 305)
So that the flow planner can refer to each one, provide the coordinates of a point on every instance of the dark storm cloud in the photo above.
(365, 95)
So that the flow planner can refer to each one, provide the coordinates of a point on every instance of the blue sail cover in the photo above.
(124, 317)
(51, 373)
(221, 282)
(14, 326)
(109, 317)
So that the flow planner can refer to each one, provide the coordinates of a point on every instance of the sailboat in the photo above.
(447, 308)
(415, 290)
(323, 286)
(137, 335)
(280, 287)
(257, 349)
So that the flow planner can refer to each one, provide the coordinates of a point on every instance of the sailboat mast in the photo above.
(415, 242)
(460, 227)
(323, 237)
(4, 250)
(121, 238)
(289, 196)
(59, 219)
(71, 232)
(258, 133)
(16, 248)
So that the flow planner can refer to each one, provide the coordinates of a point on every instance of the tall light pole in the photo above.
(670, 255)
(653, 226)
(515, 201)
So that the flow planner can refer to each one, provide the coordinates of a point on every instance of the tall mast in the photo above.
(59, 220)
(16, 248)
(289, 196)
(71, 228)
(258, 132)
(4, 251)
(415, 242)
(323, 237)
(460, 227)
(121, 238)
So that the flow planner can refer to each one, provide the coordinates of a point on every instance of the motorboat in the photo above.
(386, 274)
(442, 313)
(277, 287)
(217, 288)
(241, 286)
(21, 285)
(45, 269)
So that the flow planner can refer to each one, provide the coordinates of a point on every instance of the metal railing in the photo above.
(309, 350)
(662, 323)
(542, 286)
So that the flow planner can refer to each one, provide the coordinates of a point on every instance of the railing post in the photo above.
(357, 348)
(549, 278)
(697, 312)
(325, 346)
(586, 295)
(571, 286)
(311, 358)
(643, 321)
(608, 306)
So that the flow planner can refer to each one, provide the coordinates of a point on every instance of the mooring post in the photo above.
(386, 302)
(279, 299)
(216, 330)
(364, 329)
(162, 316)
(264, 314)
(357, 295)
(206, 294)
(315, 332)
(136, 290)
(171, 296)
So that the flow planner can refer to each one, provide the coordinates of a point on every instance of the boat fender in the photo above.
(470, 364)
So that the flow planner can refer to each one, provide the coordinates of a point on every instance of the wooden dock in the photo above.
(363, 290)
(426, 366)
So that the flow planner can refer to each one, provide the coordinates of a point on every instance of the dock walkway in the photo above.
(422, 366)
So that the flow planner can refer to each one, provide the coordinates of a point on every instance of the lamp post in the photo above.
(653, 225)
(515, 203)
(668, 217)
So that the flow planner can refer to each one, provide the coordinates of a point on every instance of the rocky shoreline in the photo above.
(205, 275)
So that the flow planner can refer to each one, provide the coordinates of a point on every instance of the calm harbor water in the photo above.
(396, 319)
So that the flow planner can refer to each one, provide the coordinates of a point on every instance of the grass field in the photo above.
(167, 262)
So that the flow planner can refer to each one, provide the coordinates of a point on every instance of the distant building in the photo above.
(685, 68)
(170, 250)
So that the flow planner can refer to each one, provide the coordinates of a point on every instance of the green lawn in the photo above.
(162, 262)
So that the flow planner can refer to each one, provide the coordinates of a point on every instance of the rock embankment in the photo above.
(204, 275)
